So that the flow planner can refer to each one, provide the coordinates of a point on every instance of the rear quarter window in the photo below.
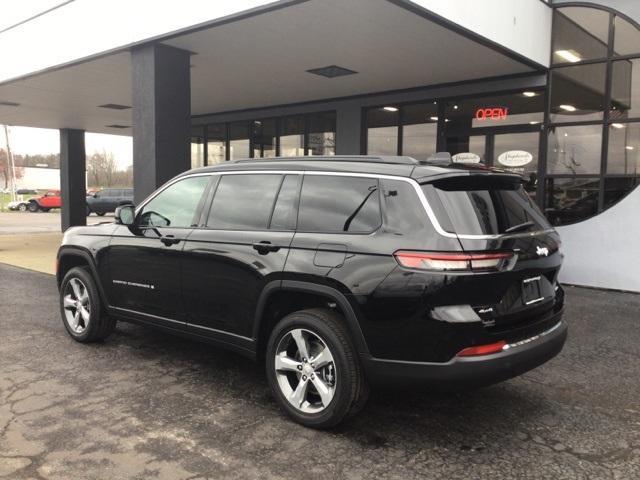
(339, 204)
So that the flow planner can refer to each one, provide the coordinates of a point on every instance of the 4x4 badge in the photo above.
(542, 251)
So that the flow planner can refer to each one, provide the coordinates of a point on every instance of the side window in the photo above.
(403, 212)
(339, 204)
(176, 205)
(286, 208)
(244, 202)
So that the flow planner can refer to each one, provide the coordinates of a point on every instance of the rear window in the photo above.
(484, 205)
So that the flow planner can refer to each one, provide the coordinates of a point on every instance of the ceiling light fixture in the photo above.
(115, 125)
(114, 106)
(332, 71)
(533, 122)
(569, 55)
(435, 119)
(390, 109)
(617, 125)
(7, 103)
(529, 94)
(629, 147)
(568, 108)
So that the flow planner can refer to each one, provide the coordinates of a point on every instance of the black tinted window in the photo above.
(403, 211)
(479, 205)
(286, 209)
(176, 205)
(244, 202)
(339, 204)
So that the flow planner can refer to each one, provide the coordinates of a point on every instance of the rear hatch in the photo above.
(490, 213)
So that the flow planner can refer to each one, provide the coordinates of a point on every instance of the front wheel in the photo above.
(33, 207)
(313, 369)
(81, 309)
(22, 207)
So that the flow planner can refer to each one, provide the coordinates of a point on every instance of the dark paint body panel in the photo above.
(212, 283)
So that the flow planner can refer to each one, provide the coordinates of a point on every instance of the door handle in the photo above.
(265, 247)
(169, 240)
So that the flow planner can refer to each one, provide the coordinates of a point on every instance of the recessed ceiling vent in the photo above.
(114, 106)
(332, 71)
(115, 125)
(8, 104)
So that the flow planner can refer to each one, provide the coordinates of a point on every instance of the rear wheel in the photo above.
(33, 207)
(81, 309)
(313, 370)
(22, 207)
(101, 214)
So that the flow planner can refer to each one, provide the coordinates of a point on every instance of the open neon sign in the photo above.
(492, 113)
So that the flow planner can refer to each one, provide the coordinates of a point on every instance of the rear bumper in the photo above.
(470, 372)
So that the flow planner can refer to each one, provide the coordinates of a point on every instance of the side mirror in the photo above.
(125, 215)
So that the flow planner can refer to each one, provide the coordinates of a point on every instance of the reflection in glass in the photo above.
(624, 149)
(579, 33)
(197, 147)
(238, 140)
(577, 93)
(292, 136)
(322, 134)
(419, 131)
(574, 150)
(382, 131)
(216, 143)
(518, 153)
(617, 187)
(625, 89)
(627, 38)
(263, 134)
(570, 200)
(495, 111)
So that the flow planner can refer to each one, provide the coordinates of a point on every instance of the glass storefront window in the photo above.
(625, 89)
(263, 133)
(495, 111)
(574, 150)
(466, 148)
(382, 131)
(322, 134)
(577, 93)
(571, 200)
(216, 143)
(518, 153)
(197, 147)
(238, 140)
(292, 136)
(579, 33)
(617, 187)
(626, 38)
(419, 130)
(624, 149)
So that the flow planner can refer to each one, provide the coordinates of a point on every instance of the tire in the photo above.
(45, 210)
(88, 211)
(101, 214)
(348, 392)
(33, 207)
(78, 284)
(22, 207)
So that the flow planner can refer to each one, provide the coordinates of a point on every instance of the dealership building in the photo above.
(546, 89)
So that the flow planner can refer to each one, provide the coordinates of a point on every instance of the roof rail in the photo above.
(397, 160)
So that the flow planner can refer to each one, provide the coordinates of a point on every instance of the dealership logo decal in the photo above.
(134, 284)
(542, 251)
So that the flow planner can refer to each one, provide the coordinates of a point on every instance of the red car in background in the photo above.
(46, 202)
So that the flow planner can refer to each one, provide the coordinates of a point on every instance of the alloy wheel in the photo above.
(77, 306)
(305, 370)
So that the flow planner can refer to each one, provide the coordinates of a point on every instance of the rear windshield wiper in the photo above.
(520, 227)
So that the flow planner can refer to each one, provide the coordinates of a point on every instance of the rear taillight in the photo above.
(483, 349)
(453, 261)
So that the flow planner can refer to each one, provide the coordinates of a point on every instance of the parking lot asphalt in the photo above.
(146, 405)
(40, 222)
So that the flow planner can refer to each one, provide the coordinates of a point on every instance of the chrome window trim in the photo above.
(413, 182)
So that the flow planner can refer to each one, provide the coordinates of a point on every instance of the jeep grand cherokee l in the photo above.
(337, 272)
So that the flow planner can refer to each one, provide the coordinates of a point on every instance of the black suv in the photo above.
(337, 272)
(108, 199)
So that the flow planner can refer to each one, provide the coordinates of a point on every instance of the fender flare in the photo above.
(74, 251)
(330, 293)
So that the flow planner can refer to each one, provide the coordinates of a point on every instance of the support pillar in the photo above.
(73, 178)
(349, 129)
(161, 89)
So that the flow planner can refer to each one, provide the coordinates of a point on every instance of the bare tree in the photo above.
(5, 169)
(102, 169)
